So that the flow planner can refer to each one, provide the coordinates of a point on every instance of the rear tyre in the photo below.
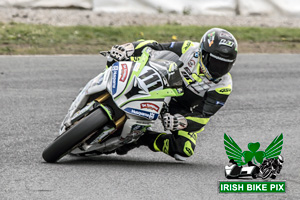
(254, 176)
(73, 137)
(266, 173)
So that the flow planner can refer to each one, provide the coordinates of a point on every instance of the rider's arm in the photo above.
(141, 44)
(200, 116)
(177, 47)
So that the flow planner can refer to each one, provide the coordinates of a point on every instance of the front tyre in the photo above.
(73, 137)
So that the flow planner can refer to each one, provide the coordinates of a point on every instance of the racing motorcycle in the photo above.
(271, 167)
(117, 106)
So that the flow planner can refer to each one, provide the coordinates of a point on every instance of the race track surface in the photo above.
(36, 92)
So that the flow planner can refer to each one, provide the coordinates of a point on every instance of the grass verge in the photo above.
(18, 39)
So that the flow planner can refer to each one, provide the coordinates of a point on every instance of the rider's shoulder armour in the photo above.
(192, 77)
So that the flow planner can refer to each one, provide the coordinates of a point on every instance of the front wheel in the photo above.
(73, 137)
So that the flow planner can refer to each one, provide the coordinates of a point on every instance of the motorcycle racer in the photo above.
(274, 164)
(207, 85)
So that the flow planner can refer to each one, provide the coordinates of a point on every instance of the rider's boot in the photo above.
(125, 148)
(145, 140)
(273, 176)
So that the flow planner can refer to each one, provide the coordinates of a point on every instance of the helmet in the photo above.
(280, 159)
(217, 53)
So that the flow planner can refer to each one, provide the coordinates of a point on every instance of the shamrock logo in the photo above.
(234, 152)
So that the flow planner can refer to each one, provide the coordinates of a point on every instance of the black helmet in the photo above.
(217, 53)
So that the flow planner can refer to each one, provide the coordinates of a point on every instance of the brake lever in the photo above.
(104, 53)
(107, 55)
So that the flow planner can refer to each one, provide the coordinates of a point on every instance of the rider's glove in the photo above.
(174, 122)
(122, 52)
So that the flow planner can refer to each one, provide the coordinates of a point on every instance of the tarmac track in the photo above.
(36, 92)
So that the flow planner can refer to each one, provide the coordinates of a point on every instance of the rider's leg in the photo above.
(180, 144)
(145, 140)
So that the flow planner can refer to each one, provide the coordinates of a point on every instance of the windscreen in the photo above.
(162, 60)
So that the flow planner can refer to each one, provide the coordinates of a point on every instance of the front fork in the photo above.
(130, 131)
(102, 101)
(117, 116)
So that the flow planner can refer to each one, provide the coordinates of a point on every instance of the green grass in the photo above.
(45, 39)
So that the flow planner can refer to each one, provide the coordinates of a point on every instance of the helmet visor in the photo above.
(212, 66)
(218, 67)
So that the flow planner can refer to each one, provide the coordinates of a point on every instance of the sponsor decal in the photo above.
(115, 72)
(134, 59)
(179, 90)
(225, 90)
(150, 106)
(124, 72)
(136, 66)
(141, 113)
(188, 44)
(204, 70)
(210, 38)
(191, 63)
(226, 43)
(253, 164)
(196, 54)
(226, 35)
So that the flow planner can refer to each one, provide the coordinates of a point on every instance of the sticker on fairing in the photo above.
(115, 74)
(141, 113)
(150, 106)
(124, 72)
(196, 54)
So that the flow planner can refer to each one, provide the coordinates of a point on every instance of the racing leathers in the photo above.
(201, 100)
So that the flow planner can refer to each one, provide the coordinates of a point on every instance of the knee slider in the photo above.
(187, 151)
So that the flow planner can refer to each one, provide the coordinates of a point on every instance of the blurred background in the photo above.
(212, 7)
(87, 26)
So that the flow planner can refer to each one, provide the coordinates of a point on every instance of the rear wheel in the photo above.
(73, 137)
(266, 173)
(254, 175)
